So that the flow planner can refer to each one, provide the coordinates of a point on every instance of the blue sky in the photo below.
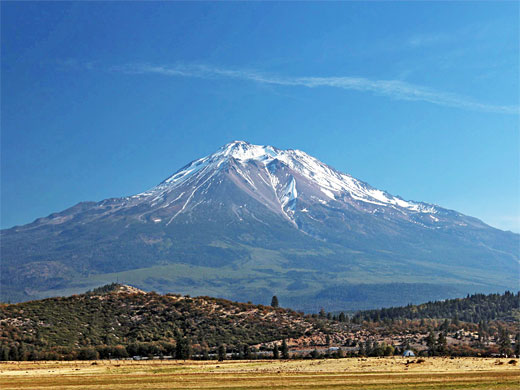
(104, 100)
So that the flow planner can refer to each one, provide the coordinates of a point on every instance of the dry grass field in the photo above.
(370, 373)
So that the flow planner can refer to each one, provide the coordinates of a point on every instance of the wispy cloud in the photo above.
(394, 89)
(420, 40)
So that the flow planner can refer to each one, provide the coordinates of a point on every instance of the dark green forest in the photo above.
(474, 308)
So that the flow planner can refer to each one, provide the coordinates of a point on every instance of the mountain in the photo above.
(249, 222)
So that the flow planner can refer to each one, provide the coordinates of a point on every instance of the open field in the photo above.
(370, 373)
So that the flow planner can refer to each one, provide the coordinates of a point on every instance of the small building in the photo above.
(408, 353)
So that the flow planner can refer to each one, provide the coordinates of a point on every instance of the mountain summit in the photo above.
(273, 176)
(251, 221)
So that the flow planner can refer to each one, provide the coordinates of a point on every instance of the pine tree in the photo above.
(276, 353)
(442, 345)
(274, 301)
(503, 341)
(481, 333)
(430, 343)
(221, 352)
(285, 350)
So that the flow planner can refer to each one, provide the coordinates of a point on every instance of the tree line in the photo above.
(474, 308)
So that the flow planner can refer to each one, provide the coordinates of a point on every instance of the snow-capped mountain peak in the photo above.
(250, 213)
(241, 150)
(327, 181)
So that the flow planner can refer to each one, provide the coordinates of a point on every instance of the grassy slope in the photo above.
(364, 283)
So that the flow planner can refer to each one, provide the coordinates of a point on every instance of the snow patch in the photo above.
(290, 194)
(328, 193)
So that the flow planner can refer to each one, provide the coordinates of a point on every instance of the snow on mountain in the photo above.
(330, 182)
(289, 183)
(250, 217)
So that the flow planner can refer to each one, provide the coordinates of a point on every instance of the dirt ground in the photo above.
(353, 373)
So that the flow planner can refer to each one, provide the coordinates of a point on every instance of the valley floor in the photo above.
(353, 373)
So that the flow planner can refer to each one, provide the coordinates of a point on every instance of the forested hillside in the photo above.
(118, 321)
(142, 323)
(474, 308)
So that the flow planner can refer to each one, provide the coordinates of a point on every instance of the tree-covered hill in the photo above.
(120, 321)
(474, 308)
(119, 315)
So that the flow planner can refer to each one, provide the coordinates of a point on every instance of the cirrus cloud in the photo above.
(395, 89)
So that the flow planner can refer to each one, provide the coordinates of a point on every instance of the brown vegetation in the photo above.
(355, 373)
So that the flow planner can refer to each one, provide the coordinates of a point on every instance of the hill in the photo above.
(121, 321)
(251, 221)
(118, 315)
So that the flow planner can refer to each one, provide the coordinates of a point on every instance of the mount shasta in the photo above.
(249, 222)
